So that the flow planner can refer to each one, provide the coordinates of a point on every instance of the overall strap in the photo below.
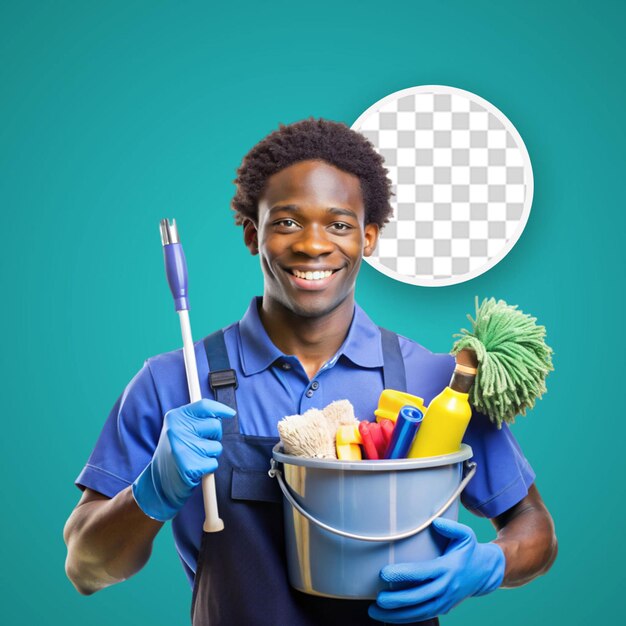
(394, 374)
(222, 378)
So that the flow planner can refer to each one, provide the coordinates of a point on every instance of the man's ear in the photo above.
(250, 236)
(371, 239)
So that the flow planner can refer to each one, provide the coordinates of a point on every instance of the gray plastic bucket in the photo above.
(345, 520)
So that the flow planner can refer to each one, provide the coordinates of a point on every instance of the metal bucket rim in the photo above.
(382, 465)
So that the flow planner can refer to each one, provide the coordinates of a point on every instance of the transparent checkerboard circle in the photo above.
(462, 182)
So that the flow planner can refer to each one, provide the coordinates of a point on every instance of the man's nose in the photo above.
(313, 241)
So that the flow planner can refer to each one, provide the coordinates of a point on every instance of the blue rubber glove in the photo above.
(187, 449)
(420, 591)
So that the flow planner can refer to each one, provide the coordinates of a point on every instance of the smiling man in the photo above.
(312, 198)
(310, 235)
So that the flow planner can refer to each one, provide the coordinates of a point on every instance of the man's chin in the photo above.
(312, 310)
(314, 306)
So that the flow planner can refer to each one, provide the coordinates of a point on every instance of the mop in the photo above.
(513, 360)
(176, 270)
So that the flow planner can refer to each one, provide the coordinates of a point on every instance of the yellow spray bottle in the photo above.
(447, 416)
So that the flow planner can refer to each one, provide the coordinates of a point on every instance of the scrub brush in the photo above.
(309, 435)
(513, 360)
(340, 413)
(313, 433)
(341, 419)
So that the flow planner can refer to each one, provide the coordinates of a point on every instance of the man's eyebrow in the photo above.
(290, 208)
(293, 208)
(347, 212)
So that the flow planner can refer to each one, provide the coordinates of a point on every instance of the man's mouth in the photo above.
(311, 280)
(316, 275)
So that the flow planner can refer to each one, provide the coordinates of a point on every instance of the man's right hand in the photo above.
(187, 450)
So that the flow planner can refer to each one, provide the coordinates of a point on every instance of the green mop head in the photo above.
(513, 360)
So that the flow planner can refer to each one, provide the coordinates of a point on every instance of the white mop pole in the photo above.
(176, 269)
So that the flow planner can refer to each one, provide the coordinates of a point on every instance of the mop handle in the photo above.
(176, 270)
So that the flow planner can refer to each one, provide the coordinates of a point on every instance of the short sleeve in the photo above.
(503, 474)
(128, 438)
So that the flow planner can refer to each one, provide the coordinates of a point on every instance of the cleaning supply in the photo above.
(391, 401)
(310, 435)
(375, 440)
(512, 356)
(348, 443)
(176, 271)
(386, 428)
(369, 447)
(407, 425)
(502, 362)
(340, 413)
(378, 437)
(446, 418)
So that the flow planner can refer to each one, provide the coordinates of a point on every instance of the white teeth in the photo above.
(312, 275)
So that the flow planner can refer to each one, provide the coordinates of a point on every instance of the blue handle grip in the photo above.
(176, 270)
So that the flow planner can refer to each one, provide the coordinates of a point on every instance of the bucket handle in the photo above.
(276, 473)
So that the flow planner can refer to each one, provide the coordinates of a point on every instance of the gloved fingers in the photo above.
(191, 453)
(209, 428)
(210, 448)
(207, 408)
(195, 474)
(203, 461)
(181, 428)
(458, 533)
(413, 572)
(398, 616)
(412, 596)
(407, 615)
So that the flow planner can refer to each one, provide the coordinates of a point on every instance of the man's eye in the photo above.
(341, 226)
(286, 223)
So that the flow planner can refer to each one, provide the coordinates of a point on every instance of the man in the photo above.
(312, 198)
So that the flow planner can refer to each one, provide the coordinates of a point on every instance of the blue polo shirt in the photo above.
(273, 385)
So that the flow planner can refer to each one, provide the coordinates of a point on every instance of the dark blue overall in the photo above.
(241, 575)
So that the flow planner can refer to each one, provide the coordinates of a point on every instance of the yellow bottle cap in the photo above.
(391, 401)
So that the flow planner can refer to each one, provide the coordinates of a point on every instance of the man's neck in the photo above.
(313, 340)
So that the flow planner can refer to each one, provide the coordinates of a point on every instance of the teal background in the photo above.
(114, 115)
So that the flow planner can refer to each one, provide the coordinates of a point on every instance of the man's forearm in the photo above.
(108, 540)
(527, 538)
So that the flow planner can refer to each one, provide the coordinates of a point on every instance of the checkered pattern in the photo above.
(459, 180)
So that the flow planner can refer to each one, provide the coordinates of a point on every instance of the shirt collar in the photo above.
(362, 344)
(257, 350)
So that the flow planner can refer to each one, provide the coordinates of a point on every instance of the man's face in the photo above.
(310, 237)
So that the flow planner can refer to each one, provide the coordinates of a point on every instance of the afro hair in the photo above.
(311, 139)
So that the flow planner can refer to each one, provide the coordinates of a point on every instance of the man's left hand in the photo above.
(420, 591)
